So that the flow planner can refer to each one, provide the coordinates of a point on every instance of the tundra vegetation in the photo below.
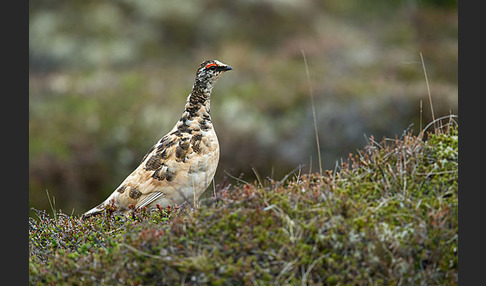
(386, 215)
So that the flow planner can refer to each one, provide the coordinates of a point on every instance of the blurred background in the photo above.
(107, 79)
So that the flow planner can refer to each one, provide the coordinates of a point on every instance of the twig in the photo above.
(313, 112)
(428, 89)
(439, 119)
(279, 183)
(420, 117)
(238, 179)
(52, 205)
(259, 179)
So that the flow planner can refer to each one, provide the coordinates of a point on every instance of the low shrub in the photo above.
(386, 216)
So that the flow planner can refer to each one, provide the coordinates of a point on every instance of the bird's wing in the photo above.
(149, 199)
(159, 173)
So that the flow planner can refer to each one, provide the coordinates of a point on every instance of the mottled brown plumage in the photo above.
(182, 164)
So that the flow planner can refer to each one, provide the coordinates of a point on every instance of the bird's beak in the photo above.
(226, 68)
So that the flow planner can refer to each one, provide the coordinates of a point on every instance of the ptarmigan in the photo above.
(181, 165)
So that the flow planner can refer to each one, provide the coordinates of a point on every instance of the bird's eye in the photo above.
(211, 66)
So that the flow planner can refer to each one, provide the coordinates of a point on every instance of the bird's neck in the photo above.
(198, 102)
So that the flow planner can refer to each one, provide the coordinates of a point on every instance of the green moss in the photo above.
(388, 214)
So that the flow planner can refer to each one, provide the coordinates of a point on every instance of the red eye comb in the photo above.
(211, 65)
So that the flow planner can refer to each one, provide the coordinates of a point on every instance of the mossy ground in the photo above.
(386, 216)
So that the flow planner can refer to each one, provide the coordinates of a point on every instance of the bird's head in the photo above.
(211, 70)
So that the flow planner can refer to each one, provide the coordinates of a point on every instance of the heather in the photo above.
(386, 215)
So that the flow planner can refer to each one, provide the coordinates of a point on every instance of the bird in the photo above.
(181, 165)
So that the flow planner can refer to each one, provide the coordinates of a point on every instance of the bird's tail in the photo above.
(94, 211)
(110, 201)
